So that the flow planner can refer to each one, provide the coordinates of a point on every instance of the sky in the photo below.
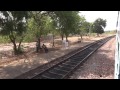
(110, 16)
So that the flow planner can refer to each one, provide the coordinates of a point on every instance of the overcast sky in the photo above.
(110, 16)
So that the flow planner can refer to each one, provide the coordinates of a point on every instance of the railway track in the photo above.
(64, 68)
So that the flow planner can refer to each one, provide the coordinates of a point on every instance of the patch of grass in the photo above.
(93, 34)
(4, 39)
(110, 32)
(29, 38)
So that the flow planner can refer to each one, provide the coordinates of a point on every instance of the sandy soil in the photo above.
(12, 66)
(100, 65)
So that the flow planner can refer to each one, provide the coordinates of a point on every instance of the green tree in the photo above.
(67, 22)
(86, 27)
(53, 30)
(98, 26)
(13, 24)
(39, 22)
(82, 27)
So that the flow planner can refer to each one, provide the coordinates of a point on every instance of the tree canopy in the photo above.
(13, 25)
(19, 24)
(67, 22)
(99, 25)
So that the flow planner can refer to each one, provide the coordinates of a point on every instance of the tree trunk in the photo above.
(19, 46)
(62, 36)
(89, 35)
(15, 49)
(38, 45)
(53, 41)
(66, 37)
(14, 44)
(81, 37)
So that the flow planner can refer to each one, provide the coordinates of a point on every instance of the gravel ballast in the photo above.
(100, 65)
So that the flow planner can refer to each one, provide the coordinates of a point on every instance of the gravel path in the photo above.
(100, 65)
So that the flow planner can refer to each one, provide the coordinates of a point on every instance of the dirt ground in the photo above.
(12, 66)
(100, 65)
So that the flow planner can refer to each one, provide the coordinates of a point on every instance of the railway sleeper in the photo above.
(51, 75)
(64, 68)
(59, 72)
(71, 64)
(67, 66)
